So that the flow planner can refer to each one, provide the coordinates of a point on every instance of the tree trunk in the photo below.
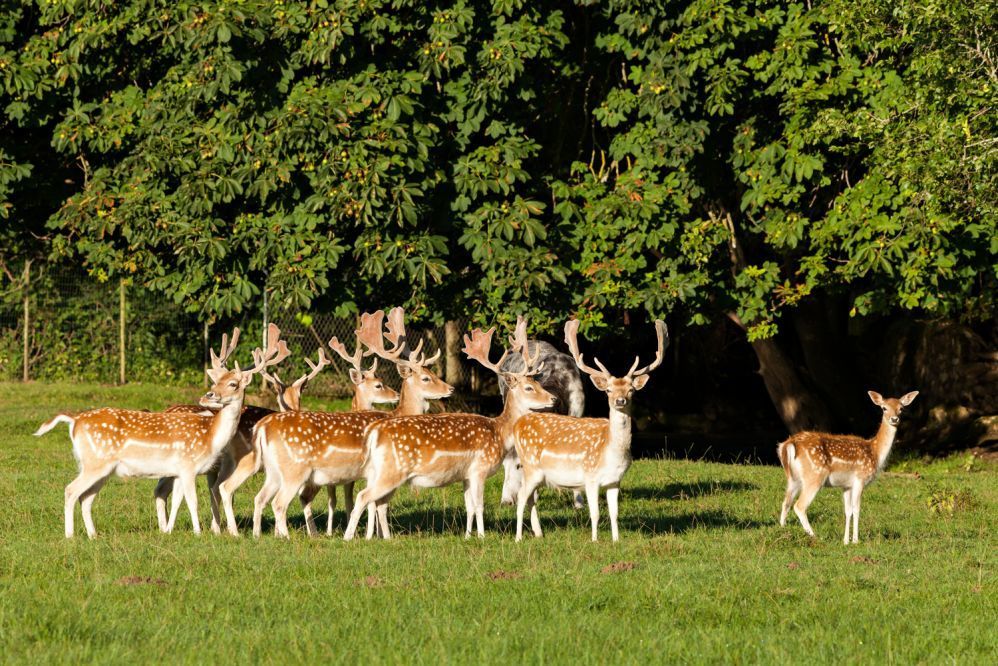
(798, 406)
(453, 372)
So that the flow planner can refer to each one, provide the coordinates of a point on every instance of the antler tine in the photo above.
(477, 346)
(571, 339)
(371, 335)
(218, 360)
(662, 333)
(316, 368)
(341, 349)
(276, 351)
(396, 325)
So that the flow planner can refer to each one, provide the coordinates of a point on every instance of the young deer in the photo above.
(147, 444)
(240, 460)
(432, 451)
(368, 390)
(567, 452)
(328, 449)
(814, 459)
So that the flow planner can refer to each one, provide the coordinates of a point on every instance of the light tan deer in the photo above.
(240, 460)
(569, 452)
(815, 459)
(436, 450)
(147, 444)
(328, 449)
(368, 390)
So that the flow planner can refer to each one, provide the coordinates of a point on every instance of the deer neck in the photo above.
(620, 429)
(224, 425)
(411, 403)
(882, 442)
(512, 411)
(360, 404)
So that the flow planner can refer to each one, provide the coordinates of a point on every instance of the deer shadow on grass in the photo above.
(685, 490)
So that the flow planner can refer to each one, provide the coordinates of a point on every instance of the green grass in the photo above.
(714, 579)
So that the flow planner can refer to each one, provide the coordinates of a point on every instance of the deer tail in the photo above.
(61, 417)
(787, 452)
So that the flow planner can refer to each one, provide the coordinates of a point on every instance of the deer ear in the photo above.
(246, 379)
(908, 398)
(510, 379)
(215, 375)
(876, 398)
(639, 382)
(600, 382)
(404, 371)
(355, 376)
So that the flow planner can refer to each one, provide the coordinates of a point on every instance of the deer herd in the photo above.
(301, 451)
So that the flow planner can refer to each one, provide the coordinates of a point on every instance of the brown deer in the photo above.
(239, 462)
(568, 452)
(147, 444)
(432, 451)
(368, 390)
(815, 459)
(328, 449)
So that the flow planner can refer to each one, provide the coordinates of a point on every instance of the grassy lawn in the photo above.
(703, 573)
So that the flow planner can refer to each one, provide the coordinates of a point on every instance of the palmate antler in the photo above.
(275, 352)
(478, 344)
(355, 359)
(571, 339)
(370, 334)
(218, 360)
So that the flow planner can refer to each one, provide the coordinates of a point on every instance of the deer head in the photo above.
(619, 390)
(412, 369)
(228, 385)
(892, 407)
(368, 388)
(523, 388)
(289, 395)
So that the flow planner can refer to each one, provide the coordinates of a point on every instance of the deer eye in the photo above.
(528, 388)
(377, 386)
(884, 408)
(232, 385)
(426, 379)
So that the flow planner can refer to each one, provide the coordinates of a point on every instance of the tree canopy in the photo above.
(700, 159)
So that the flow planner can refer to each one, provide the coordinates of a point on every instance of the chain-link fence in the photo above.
(59, 322)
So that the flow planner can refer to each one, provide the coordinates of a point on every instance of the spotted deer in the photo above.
(148, 444)
(586, 453)
(368, 390)
(232, 469)
(436, 450)
(323, 449)
(814, 459)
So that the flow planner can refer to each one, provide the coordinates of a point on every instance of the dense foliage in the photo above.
(705, 159)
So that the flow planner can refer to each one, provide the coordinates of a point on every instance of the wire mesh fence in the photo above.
(60, 323)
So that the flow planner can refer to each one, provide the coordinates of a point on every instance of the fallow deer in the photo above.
(815, 459)
(368, 390)
(436, 450)
(146, 444)
(328, 449)
(239, 462)
(587, 453)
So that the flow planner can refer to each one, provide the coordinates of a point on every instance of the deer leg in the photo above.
(308, 493)
(592, 498)
(804, 501)
(381, 510)
(86, 502)
(162, 493)
(177, 499)
(368, 495)
(186, 481)
(857, 494)
(847, 506)
(478, 498)
(216, 519)
(76, 488)
(524, 497)
(612, 496)
(270, 487)
(347, 504)
(287, 492)
(241, 470)
(330, 508)
(793, 487)
(469, 509)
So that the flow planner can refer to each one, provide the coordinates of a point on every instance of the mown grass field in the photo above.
(702, 573)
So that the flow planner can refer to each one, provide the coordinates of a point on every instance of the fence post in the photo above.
(26, 362)
(121, 331)
(205, 352)
(452, 355)
(266, 312)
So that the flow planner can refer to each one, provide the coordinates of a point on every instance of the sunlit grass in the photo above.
(702, 573)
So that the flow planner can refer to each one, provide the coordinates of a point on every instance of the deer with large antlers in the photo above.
(368, 390)
(239, 461)
(436, 450)
(323, 449)
(147, 444)
(590, 454)
(815, 459)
